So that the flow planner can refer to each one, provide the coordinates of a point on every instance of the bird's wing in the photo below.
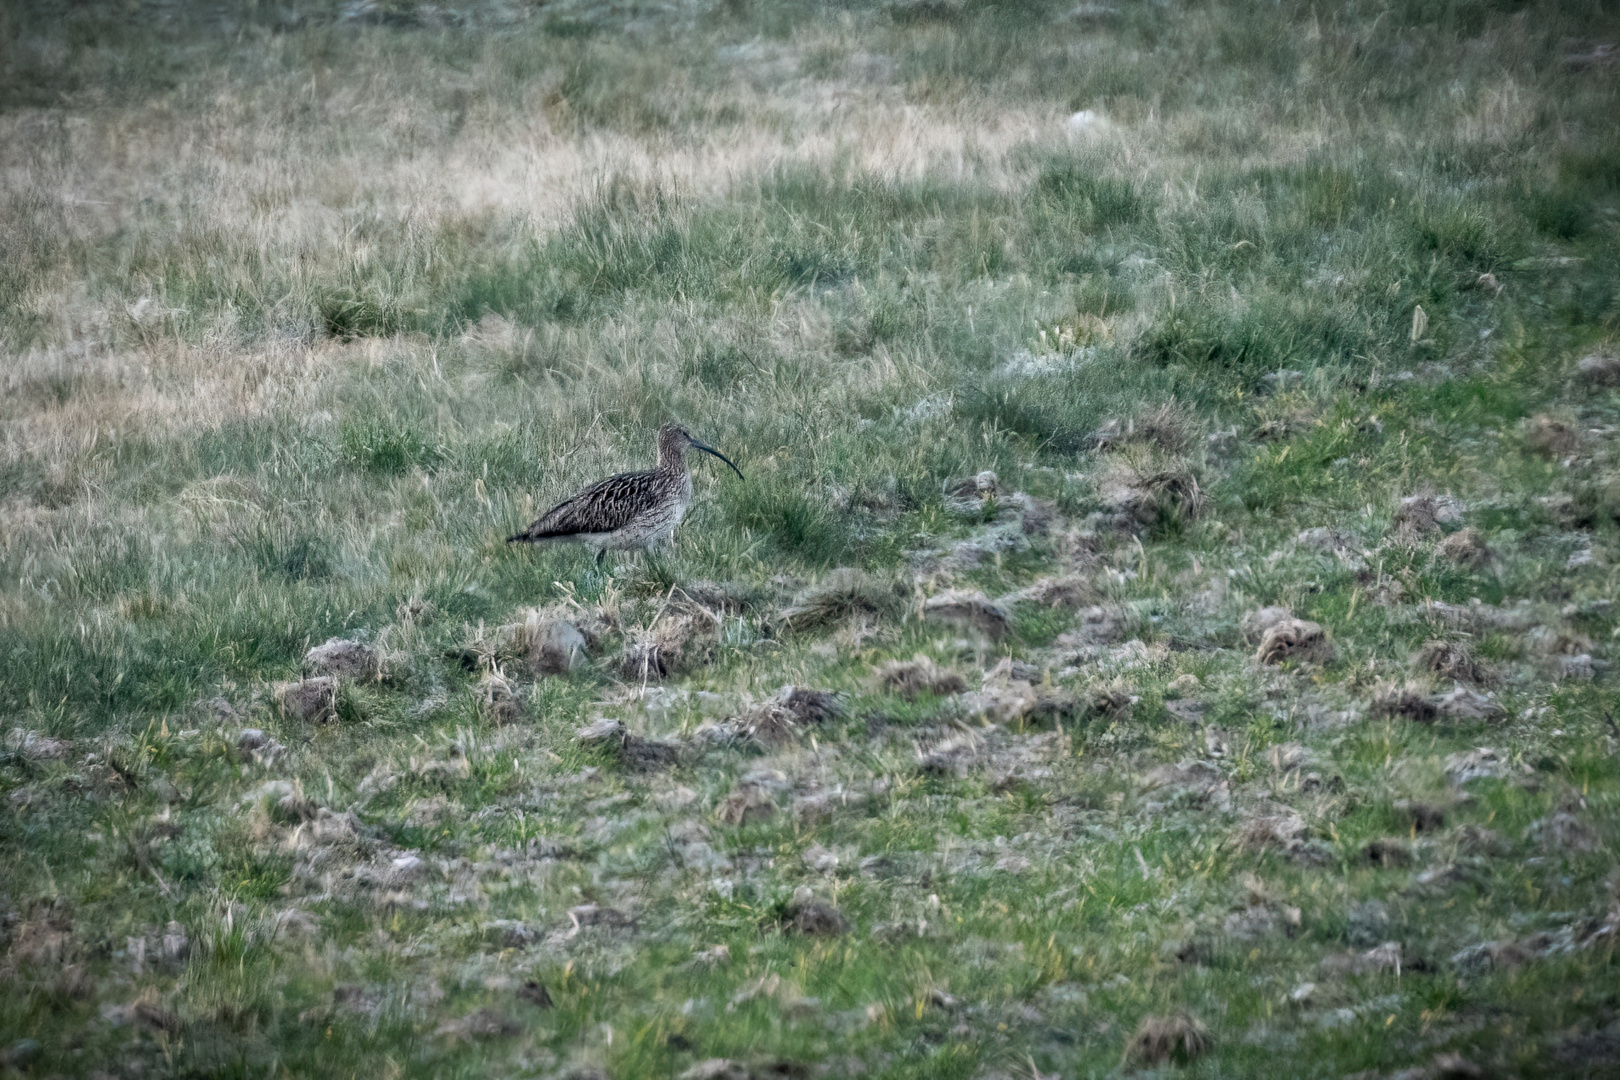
(601, 508)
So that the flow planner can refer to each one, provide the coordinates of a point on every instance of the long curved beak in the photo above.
(711, 450)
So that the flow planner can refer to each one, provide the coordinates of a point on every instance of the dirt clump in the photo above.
(1408, 700)
(920, 675)
(1196, 783)
(1168, 426)
(1551, 641)
(1007, 700)
(1147, 491)
(1452, 660)
(255, 746)
(1323, 539)
(1479, 840)
(312, 701)
(1098, 626)
(44, 941)
(815, 918)
(1491, 955)
(1462, 703)
(479, 1024)
(672, 646)
(1480, 763)
(969, 610)
(1297, 640)
(1111, 701)
(1562, 831)
(1256, 623)
(1424, 817)
(841, 593)
(790, 711)
(344, 658)
(1387, 852)
(1594, 1054)
(809, 706)
(752, 800)
(497, 700)
(1426, 514)
(1551, 436)
(1069, 592)
(1385, 957)
(718, 1069)
(636, 753)
(1465, 548)
(1159, 1040)
(555, 647)
(1599, 369)
(1278, 827)
(952, 756)
(596, 916)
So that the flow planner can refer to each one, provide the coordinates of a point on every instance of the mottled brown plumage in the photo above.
(634, 510)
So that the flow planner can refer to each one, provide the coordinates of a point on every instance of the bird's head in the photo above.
(673, 439)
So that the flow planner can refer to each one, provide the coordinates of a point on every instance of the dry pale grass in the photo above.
(379, 144)
(1160, 1040)
(920, 675)
(1452, 660)
(1551, 436)
(1466, 547)
(1296, 640)
(260, 186)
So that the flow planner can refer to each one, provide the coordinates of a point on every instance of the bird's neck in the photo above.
(671, 458)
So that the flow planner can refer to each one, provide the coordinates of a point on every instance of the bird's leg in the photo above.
(600, 552)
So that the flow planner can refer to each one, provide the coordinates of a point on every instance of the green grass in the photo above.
(304, 310)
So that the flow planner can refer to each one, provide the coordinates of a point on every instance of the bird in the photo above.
(630, 511)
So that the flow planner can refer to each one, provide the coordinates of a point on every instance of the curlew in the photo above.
(631, 511)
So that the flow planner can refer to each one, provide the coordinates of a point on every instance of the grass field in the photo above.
(1181, 482)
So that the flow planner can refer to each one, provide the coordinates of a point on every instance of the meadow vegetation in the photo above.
(1166, 625)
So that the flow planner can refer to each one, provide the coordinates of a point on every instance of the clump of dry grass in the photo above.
(1169, 427)
(815, 918)
(1294, 639)
(1070, 592)
(1256, 623)
(1180, 1038)
(1148, 489)
(793, 709)
(1600, 369)
(635, 752)
(312, 701)
(746, 804)
(498, 700)
(839, 594)
(1551, 436)
(1425, 514)
(1452, 660)
(920, 675)
(1466, 547)
(969, 610)
(1408, 700)
(347, 659)
(1112, 701)
(671, 646)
